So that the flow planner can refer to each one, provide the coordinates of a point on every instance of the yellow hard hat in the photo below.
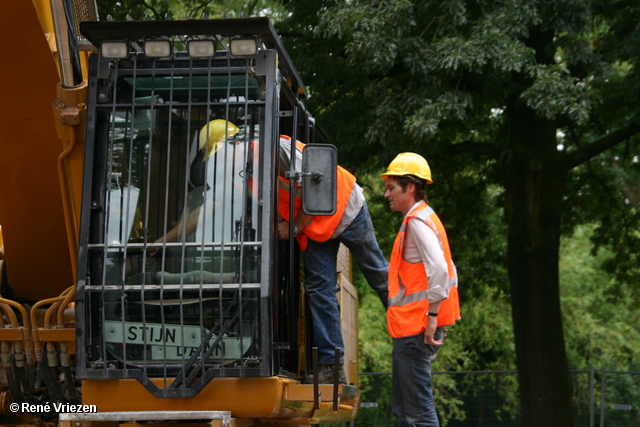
(214, 134)
(409, 164)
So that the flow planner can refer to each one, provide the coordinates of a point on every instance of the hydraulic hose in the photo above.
(24, 346)
(47, 375)
(67, 205)
(65, 303)
(64, 38)
(37, 343)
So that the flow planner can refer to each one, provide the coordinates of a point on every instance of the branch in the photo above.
(483, 149)
(152, 9)
(596, 147)
(201, 6)
(251, 6)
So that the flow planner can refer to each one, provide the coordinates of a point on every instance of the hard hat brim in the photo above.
(388, 174)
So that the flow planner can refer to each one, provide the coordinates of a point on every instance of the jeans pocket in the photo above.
(431, 350)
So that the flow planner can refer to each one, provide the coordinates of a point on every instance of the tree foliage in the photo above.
(195, 9)
(600, 312)
(484, 89)
(527, 111)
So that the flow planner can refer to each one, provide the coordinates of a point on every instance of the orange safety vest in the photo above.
(321, 228)
(283, 210)
(408, 283)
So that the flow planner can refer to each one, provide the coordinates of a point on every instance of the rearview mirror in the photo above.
(319, 191)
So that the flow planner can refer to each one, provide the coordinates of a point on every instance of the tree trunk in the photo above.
(534, 189)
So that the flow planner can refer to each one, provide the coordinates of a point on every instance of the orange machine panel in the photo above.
(31, 213)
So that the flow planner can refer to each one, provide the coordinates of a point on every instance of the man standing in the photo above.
(423, 294)
(320, 239)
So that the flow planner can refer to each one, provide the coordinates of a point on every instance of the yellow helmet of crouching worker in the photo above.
(214, 134)
(409, 164)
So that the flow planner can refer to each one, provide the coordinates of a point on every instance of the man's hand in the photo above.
(430, 331)
(283, 230)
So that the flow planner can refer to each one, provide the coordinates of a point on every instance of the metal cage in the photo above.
(177, 256)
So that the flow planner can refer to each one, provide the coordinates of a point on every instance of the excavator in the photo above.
(142, 182)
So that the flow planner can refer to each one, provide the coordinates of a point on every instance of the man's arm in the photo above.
(175, 233)
(189, 224)
(427, 248)
(432, 324)
(301, 221)
(426, 244)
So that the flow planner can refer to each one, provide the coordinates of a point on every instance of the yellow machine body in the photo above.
(42, 155)
(34, 231)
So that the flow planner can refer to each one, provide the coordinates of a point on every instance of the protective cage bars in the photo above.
(176, 250)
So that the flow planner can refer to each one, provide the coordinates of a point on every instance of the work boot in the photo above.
(325, 375)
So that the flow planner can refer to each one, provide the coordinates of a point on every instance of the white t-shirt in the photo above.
(422, 245)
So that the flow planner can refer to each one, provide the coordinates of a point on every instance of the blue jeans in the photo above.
(412, 392)
(320, 259)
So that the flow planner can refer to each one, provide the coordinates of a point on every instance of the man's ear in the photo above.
(411, 188)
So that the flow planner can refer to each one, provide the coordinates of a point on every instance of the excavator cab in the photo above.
(165, 295)
(182, 280)
(176, 225)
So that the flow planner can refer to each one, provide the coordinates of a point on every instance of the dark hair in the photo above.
(419, 183)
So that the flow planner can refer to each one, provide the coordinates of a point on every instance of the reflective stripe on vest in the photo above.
(408, 283)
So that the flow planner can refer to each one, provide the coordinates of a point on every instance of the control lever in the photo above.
(316, 391)
(336, 379)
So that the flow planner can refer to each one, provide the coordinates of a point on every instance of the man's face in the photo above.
(400, 199)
